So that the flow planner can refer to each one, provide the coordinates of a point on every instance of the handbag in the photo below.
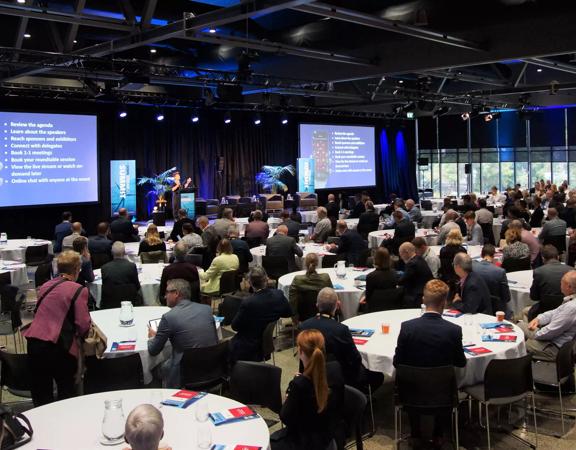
(95, 342)
(15, 429)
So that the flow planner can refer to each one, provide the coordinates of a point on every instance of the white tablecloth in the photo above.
(108, 320)
(15, 249)
(161, 229)
(310, 247)
(132, 251)
(76, 423)
(375, 238)
(309, 216)
(428, 218)
(378, 352)
(18, 272)
(519, 283)
(149, 278)
(242, 222)
(349, 295)
(380, 207)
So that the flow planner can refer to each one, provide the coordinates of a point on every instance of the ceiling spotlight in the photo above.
(122, 114)
(27, 35)
(400, 81)
(465, 116)
(488, 117)
(212, 30)
(284, 119)
(75, 41)
(152, 50)
(21, 1)
(257, 119)
(227, 118)
(538, 70)
(195, 118)
(160, 117)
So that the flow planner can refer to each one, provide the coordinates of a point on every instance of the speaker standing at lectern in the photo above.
(176, 195)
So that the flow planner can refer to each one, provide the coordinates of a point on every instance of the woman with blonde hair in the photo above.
(310, 281)
(225, 261)
(313, 399)
(453, 246)
(515, 248)
(152, 241)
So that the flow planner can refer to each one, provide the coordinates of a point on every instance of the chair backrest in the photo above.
(153, 257)
(204, 251)
(557, 241)
(426, 205)
(256, 383)
(275, 266)
(307, 304)
(5, 278)
(14, 371)
(229, 307)
(426, 387)
(113, 374)
(333, 240)
(565, 361)
(113, 294)
(549, 302)
(43, 274)
(354, 406)
(488, 233)
(516, 264)
(328, 261)
(386, 299)
(253, 241)
(99, 259)
(36, 254)
(204, 366)
(508, 378)
(229, 282)
(268, 340)
(195, 259)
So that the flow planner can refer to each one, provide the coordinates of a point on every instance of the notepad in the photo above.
(233, 415)
(361, 332)
(475, 351)
(183, 399)
(338, 287)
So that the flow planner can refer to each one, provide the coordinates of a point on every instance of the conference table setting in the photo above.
(97, 421)
(349, 288)
(17, 270)
(483, 338)
(15, 249)
(474, 251)
(519, 283)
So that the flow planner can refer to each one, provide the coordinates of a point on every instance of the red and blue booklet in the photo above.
(183, 399)
(233, 415)
(123, 346)
(499, 338)
(452, 313)
(234, 447)
(475, 351)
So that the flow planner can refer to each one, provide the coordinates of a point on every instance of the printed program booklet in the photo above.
(183, 399)
(361, 332)
(233, 415)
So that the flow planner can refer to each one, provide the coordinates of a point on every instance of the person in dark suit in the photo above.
(495, 278)
(568, 215)
(177, 233)
(332, 208)
(282, 245)
(416, 275)
(359, 207)
(210, 238)
(474, 296)
(100, 244)
(538, 213)
(430, 341)
(404, 231)
(62, 230)
(186, 325)
(384, 277)
(368, 221)
(339, 343)
(240, 248)
(351, 245)
(292, 225)
(119, 279)
(546, 279)
(80, 246)
(255, 313)
(180, 269)
(122, 229)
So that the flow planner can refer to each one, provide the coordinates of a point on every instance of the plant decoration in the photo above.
(160, 183)
(270, 177)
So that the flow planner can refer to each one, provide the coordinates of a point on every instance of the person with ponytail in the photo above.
(310, 281)
(314, 399)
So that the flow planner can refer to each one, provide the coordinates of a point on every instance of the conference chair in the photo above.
(516, 264)
(355, 403)
(328, 261)
(14, 375)
(426, 205)
(154, 257)
(268, 342)
(253, 241)
(205, 367)
(556, 373)
(113, 374)
(99, 259)
(114, 294)
(10, 316)
(557, 241)
(506, 381)
(36, 255)
(488, 233)
(385, 300)
(257, 384)
(425, 391)
(275, 266)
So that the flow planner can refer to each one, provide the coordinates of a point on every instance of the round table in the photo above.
(108, 320)
(428, 218)
(15, 249)
(378, 353)
(17, 270)
(242, 222)
(520, 283)
(310, 247)
(132, 251)
(149, 277)
(375, 238)
(76, 423)
(348, 294)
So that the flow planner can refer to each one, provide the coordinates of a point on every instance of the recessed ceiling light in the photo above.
(75, 41)
(400, 81)
(538, 70)
(212, 30)
(21, 1)
(152, 50)
(27, 35)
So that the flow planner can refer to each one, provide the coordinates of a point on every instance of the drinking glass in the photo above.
(204, 436)
(113, 421)
(201, 412)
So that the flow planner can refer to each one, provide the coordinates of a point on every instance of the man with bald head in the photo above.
(284, 246)
(450, 224)
(416, 275)
(474, 296)
(68, 241)
(552, 329)
(413, 211)
(351, 245)
(553, 227)
(122, 229)
(339, 343)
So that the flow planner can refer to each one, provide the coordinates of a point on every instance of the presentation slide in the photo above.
(343, 155)
(48, 159)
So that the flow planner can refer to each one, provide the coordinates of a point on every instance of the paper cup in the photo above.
(385, 328)
(500, 316)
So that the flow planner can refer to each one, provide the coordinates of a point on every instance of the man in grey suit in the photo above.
(553, 226)
(495, 279)
(222, 226)
(119, 279)
(283, 245)
(186, 325)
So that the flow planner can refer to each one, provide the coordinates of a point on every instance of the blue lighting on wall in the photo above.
(119, 16)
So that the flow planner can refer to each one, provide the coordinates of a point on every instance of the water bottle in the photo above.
(223, 201)
(3, 238)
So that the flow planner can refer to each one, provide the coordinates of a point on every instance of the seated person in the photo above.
(430, 341)
(369, 220)
(240, 248)
(551, 330)
(310, 281)
(292, 225)
(339, 343)
(119, 277)
(450, 224)
(404, 231)
(447, 253)
(474, 295)
(323, 227)
(186, 325)
(413, 211)
(80, 246)
(284, 246)
(255, 313)
(180, 268)
(552, 227)
(429, 256)
(313, 400)
(225, 260)
(190, 238)
(351, 245)
(474, 235)
(144, 429)
(122, 229)
(416, 275)
(222, 225)
(177, 230)
(152, 241)
(257, 229)
(383, 277)
(495, 278)
(515, 248)
(68, 240)
(101, 244)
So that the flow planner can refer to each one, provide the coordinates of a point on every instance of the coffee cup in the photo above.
(500, 316)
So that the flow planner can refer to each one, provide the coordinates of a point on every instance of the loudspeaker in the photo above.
(220, 164)
(467, 169)
(423, 161)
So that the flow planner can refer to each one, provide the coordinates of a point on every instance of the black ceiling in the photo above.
(364, 57)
